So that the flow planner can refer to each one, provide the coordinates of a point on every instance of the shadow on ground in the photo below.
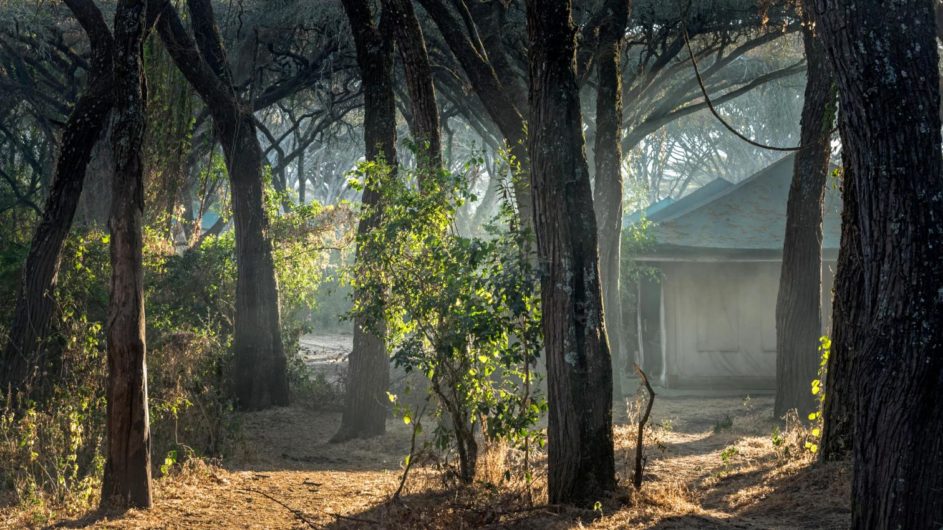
(296, 438)
(783, 506)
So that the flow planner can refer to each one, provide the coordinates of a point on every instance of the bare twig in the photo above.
(354, 519)
(297, 513)
(412, 451)
(637, 480)
(303, 518)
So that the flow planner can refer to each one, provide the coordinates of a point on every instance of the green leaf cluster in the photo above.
(463, 311)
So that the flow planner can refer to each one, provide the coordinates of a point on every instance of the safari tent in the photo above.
(706, 309)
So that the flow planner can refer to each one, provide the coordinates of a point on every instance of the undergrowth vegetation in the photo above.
(462, 311)
(51, 447)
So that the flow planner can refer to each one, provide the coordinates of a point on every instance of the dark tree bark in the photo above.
(425, 112)
(26, 356)
(127, 481)
(365, 405)
(607, 194)
(260, 372)
(579, 372)
(208, 39)
(885, 61)
(799, 303)
(838, 408)
(260, 377)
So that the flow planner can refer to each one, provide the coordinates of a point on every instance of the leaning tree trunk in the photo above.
(885, 61)
(418, 70)
(25, 356)
(365, 405)
(579, 372)
(260, 376)
(127, 480)
(799, 303)
(607, 194)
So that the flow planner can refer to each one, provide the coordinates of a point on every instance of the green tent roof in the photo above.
(747, 217)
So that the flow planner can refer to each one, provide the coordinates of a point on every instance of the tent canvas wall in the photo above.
(706, 313)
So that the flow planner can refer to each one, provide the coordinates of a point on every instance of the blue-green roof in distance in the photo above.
(668, 207)
(700, 196)
(749, 215)
(636, 216)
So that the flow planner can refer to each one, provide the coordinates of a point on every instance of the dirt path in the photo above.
(283, 457)
(711, 464)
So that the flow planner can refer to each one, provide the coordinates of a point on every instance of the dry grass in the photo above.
(286, 475)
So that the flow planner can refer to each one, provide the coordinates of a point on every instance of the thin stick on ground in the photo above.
(354, 519)
(301, 516)
(637, 480)
(297, 513)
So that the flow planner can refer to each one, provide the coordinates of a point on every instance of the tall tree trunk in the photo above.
(260, 371)
(425, 113)
(25, 355)
(885, 61)
(365, 405)
(260, 376)
(579, 433)
(127, 481)
(607, 194)
(799, 303)
(838, 408)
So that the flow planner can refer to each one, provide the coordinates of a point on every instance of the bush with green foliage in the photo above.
(462, 311)
(50, 452)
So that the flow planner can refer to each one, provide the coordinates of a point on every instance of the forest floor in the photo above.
(711, 463)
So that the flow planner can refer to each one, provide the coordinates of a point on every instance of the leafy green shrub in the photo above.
(462, 311)
(777, 438)
(190, 307)
(311, 388)
(50, 452)
(334, 299)
(310, 244)
(191, 310)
